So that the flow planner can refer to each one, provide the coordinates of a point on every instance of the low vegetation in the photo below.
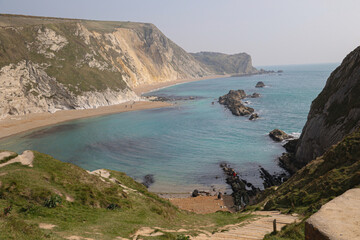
(323, 179)
(320, 181)
(80, 204)
(8, 158)
(295, 231)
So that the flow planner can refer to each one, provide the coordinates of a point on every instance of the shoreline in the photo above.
(157, 86)
(18, 124)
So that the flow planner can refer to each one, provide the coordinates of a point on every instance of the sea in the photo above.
(182, 146)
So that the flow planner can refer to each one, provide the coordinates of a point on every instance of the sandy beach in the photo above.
(151, 87)
(18, 124)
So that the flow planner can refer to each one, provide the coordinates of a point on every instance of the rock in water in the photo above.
(241, 195)
(233, 102)
(148, 180)
(254, 116)
(260, 85)
(254, 95)
(279, 135)
(235, 95)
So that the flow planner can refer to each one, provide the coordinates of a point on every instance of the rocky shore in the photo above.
(244, 192)
(233, 102)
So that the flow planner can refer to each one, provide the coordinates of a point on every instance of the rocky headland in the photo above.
(221, 63)
(334, 114)
(52, 64)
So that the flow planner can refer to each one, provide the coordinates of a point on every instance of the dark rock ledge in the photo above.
(233, 102)
(244, 192)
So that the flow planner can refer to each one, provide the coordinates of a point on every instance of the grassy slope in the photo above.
(13, 48)
(26, 190)
(317, 183)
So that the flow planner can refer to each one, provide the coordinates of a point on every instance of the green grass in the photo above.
(6, 159)
(29, 190)
(294, 231)
(13, 48)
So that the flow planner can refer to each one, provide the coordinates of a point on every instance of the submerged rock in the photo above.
(279, 135)
(260, 84)
(148, 180)
(254, 95)
(233, 102)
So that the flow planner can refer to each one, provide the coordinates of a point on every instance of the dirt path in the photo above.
(253, 229)
(204, 204)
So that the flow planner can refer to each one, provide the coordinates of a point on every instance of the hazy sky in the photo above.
(271, 31)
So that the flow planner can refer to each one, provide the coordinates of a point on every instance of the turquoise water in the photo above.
(183, 145)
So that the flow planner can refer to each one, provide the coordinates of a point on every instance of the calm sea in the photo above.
(183, 145)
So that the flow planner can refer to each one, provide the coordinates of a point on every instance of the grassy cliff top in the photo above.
(81, 204)
(13, 20)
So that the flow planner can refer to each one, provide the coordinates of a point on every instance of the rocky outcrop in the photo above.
(233, 102)
(220, 63)
(244, 193)
(334, 113)
(260, 85)
(338, 219)
(270, 180)
(254, 95)
(254, 116)
(279, 135)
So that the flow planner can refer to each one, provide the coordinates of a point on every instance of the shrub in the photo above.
(53, 201)
(182, 237)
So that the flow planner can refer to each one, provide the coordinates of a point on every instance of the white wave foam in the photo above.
(295, 134)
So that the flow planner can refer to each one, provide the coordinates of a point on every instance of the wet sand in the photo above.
(151, 87)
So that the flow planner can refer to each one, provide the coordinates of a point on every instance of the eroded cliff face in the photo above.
(143, 54)
(48, 64)
(334, 113)
(26, 88)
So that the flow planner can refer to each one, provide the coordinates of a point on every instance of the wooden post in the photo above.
(274, 226)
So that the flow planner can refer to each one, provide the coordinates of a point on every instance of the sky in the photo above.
(273, 32)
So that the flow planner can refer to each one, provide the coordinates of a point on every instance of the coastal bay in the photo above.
(17, 124)
(182, 144)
